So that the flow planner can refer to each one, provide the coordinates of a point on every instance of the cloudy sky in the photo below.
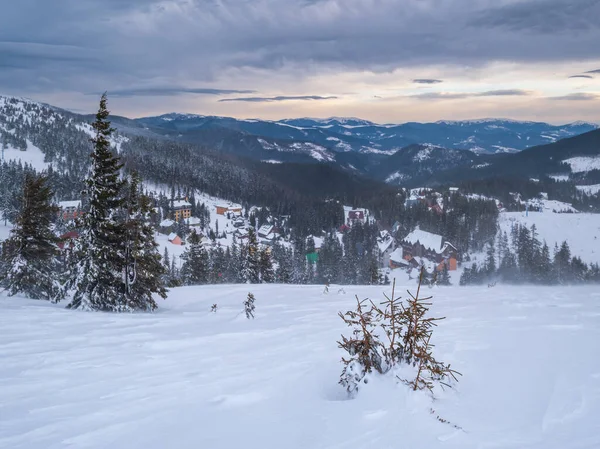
(384, 60)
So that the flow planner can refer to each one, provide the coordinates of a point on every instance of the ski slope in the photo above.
(32, 155)
(186, 378)
(581, 231)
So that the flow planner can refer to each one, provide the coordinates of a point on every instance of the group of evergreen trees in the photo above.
(248, 262)
(523, 258)
(114, 265)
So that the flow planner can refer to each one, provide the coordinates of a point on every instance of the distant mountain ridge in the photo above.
(339, 134)
(353, 146)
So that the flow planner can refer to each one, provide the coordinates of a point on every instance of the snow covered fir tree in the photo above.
(30, 264)
(116, 261)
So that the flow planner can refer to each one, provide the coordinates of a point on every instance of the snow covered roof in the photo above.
(69, 204)
(193, 221)
(229, 206)
(427, 239)
(398, 255)
(384, 243)
(181, 204)
(172, 236)
(166, 223)
(265, 229)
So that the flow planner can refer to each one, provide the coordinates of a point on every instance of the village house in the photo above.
(397, 259)
(386, 245)
(239, 222)
(182, 210)
(353, 216)
(175, 239)
(241, 234)
(426, 245)
(266, 231)
(69, 210)
(225, 208)
(67, 240)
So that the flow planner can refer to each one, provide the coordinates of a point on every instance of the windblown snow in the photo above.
(186, 378)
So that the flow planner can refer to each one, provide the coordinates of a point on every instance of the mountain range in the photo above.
(349, 149)
(317, 137)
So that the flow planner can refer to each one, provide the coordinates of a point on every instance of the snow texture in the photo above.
(186, 378)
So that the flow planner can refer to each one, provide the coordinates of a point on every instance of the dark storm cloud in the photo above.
(94, 46)
(581, 76)
(170, 91)
(280, 98)
(581, 96)
(426, 81)
(461, 95)
(544, 16)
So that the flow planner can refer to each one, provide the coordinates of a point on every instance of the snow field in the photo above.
(581, 231)
(187, 378)
(33, 155)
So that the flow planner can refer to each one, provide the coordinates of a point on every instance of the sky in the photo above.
(388, 61)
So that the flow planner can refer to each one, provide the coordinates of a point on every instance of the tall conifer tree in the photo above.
(29, 257)
(98, 277)
(144, 273)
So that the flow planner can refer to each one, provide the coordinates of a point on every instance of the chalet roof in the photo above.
(398, 256)
(69, 204)
(229, 205)
(265, 229)
(166, 223)
(181, 204)
(193, 221)
(172, 236)
(429, 240)
(384, 243)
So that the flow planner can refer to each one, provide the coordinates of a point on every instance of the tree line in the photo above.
(523, 258)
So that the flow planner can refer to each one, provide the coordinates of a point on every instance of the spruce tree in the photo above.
(490, 261)
(29, 256)
(251, 262)
(195, 269)
(285, 268)
(98, 275)
(267, 275)
(562, 264)
(144, 272)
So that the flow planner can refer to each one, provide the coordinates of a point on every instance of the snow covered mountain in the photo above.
(485, 136)
(384, 153)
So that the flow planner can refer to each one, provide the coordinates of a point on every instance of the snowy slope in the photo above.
(583, 163)
(32, 155)
(185, 378)
(581, 231)
(589, 190)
